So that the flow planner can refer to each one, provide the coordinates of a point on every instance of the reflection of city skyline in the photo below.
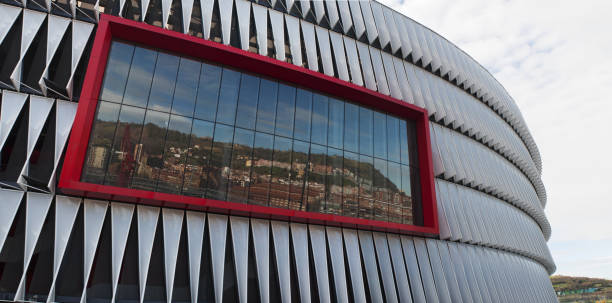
(313, 185)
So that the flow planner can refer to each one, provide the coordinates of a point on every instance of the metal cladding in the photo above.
(490, 197)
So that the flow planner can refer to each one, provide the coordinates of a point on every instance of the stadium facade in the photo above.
(266, 151)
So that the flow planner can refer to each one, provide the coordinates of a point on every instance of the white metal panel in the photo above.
(332, 12)
(357, 18)
(368, 20)
(225, 14)
(353, 256)
(449, 273)
(93, 219)
(10, 205)
(80, 35)
(403, 34)
(173, 225)
(345, 15)
(353, 61)
(217, 228)
(404, 86)
(260, 14)
(460, 274)
(56, 28)
(240, 244)
(371, 268)
(412, 266)
(399, 268)
(64, 117)
(366, 65)
(206, 7)
(278, 31)
(280, 234)
(338, 48)
(438, 273)
(147, 225)
(121, 220)
(426, 273)
(8, 15)
(196, 222)
(299, 237)
(37, 207)
(381, 26)
(310, 45)
(187, 6)
(319, 255)
(243, 13)
(319, 11)
(305, 6)
(384, 264)
(12, 103)
(261, 245)
(325, 50)
(293, 27)
(336, 254)
(379, 71)
(391, 77)
(165, 4)
(31, 23)
(40, 107)
(396, 43)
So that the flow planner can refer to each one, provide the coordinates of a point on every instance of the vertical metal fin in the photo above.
(10, 205)
(371, 267)
(225, 13)
(260, 14)
(217, 228)
(299, 237)
(293, 26)
(280, 234)
(206, 6)
(173, 225)
(401, 278)
(278, 32)
(310, 44)
(8, 15)
(261, 244)
(240, 243)
(243, 13)
(384, 264)
(147, 225)
(187, 6)
(64, 117)
(336, 251)
(40, 107)
(325, 50)
(412, 265)
(339, 55)
(121, 220)
(319, 255)
(32, 20)
(37, 207)
(80, 35)
(195, 237)
(93, 219)
(12, 103)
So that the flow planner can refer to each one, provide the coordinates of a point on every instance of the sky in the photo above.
(555, 58)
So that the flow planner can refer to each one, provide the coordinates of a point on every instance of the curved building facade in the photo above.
(258, 151)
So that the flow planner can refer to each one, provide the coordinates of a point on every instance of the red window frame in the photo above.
(111, 28)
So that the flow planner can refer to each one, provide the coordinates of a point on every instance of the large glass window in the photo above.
(176, 125)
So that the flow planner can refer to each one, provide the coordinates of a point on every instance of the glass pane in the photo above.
(336, 123)
(303, 108)
(102, 133)
(247, 102)
(415, 186)
(208, 92)
(117, 69)
(319, 119)
(285, 110)
(406, 196)
(162, 89)
(412, 144)
(366, 197)
(380, 139)
(175, 154)
(351, 127)
(366, 140)
(298, 174)
(394, 187)
(334, 181)
(262, 165)
(240, 175)
(186, 87)
(403, 134)
(228, 96)
(316, 179)
(266, 109)
(152, 149)
(220, 162)
(281, 173)
(139, 80)
(350, 189)
(196, 170)
(393, 139)
(381, 209)
(125, 146)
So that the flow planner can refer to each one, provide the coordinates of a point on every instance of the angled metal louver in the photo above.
(80, 35)
(336, 252)
(31, 23)
(12, 103)
(308, 30)
(339, 55)
(196, 222)
(121, 221)
(8, 15)
(319, 256)
(93, 220)
(293, 26)
(384, 265)
(10, 205)
(40, 107)
(353, 257)
(261, 244)
(240, 243)
(187, 6)
(225, 13)
(206, 7)
(147, 227)
(56, 28)
(243, 13)
(172, 224)
(371, 268)
(352, 58)
(280, 235)
(64, 117)
(299, 237)
(217, 226)
(260, 14)
(325, 50)
(278, 32)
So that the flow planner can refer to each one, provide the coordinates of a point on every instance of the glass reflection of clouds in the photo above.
(170, 124)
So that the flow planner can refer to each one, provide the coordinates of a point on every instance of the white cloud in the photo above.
(553, 57)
